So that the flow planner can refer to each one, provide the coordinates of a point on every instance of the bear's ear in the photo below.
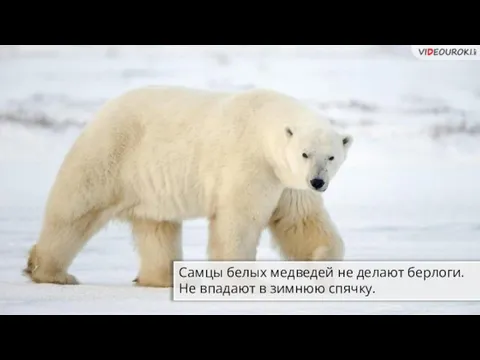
(347, 141)
(289, 132)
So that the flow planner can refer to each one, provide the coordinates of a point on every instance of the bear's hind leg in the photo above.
(159, 244)
(60, 241)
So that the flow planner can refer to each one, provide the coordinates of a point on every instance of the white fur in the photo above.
(157, 156)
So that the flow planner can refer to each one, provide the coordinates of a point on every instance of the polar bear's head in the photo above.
(311, 157)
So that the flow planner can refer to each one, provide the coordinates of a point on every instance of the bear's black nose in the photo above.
(317, 183)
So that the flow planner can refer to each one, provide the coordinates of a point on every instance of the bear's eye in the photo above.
(331, 158)
(305, 155)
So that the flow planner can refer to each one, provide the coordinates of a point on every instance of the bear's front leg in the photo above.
(236, 227)
(244, 207)
(302, 229)
(159, 245)
(233, 237)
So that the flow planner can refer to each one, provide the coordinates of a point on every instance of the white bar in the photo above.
(327, 281)
(446, 52)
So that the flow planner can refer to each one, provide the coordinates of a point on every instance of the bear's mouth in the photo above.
(321, 190)
(318, 184)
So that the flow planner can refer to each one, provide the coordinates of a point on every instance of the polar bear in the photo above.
(159, 155)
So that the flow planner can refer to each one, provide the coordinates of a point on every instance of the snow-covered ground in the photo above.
(409, 190)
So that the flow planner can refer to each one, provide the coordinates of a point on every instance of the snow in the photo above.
(409, 190)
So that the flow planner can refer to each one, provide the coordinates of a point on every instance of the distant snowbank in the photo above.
(379, 93)
(346, 51)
